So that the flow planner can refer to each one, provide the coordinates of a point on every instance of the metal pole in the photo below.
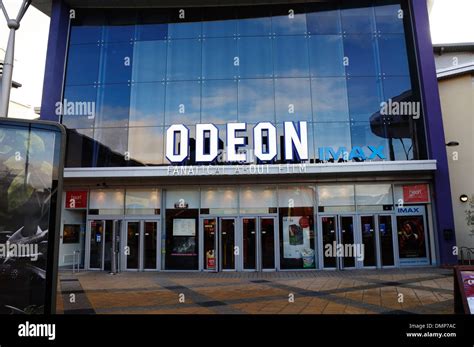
(7, 75)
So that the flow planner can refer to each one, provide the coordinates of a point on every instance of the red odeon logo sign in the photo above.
(415, 193)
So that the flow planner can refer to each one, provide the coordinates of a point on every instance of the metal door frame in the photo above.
(377, 238)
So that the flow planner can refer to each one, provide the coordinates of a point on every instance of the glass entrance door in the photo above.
(227, 243)
(258, 236)
(368, 240)
(338, 241)
(209, 227)
(141, 239)
(386, 244)
(104, 244)
(96, 244)
(132, 251)
(150, 245)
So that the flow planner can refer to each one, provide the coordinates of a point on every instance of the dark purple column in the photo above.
(434, 128)
(55, 59)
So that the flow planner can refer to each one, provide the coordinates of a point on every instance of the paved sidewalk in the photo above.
(392, 291)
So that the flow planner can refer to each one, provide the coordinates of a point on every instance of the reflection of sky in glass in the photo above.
(184, 60)
(114, 106)
(284, 25)
(362, 135)
(290, 55)
(329, 99)
(85, 34)
(218, 58)
(395, 86)
(149, 61)
(255, 55)
(116, 70)
(326, 55)
(219, 102)
(183, 102)
(357, 20)
(393, 55)
(114, 138)
(184, 30)
(360, 49)
(324, 22)
(80, 56)
(146, 145)
(119, 33)
(387, 19)
(147, 104)
(255, 26)
(256, 100)
(333, 135)
(293, 92)
(219, 28)
(364, 96)
(152, 32)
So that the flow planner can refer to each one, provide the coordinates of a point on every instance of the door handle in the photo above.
(147, 234)
(136, 234)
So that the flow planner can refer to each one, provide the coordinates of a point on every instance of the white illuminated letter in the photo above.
(173, 154)
(271, 151)
(201, 130)
(296, 140)
(233, 142)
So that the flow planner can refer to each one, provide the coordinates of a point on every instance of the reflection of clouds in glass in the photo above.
(256, 101)
(219, 101)
(146, 145)
(289, 26)
(293, 92)
(329, 99)
(113, 116)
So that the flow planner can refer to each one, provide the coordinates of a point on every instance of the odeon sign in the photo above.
(265, 144)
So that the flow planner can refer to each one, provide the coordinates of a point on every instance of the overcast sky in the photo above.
(451, 21)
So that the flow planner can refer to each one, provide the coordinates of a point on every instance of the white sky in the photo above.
(451, 21)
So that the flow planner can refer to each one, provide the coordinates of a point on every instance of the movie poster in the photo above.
(468, 282)
(296, 235)
(411, 236)
(29, 172)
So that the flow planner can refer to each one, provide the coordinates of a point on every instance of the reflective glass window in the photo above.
(289, 20)
(256, 100)
(393, 55)
(120, 25)
(374, 194)
(219, 102)
(255, 57)
(83, 64)
(183, 102)
(219, 22)
(333, 135)
(79, 148)
(111, 143)
(79, 106)
(360, 51)
(336, 195)
(389, 19)
(364, 97)
(329, 97)
(114, 106)
(324, 22)
(326, 55)
(220, 59)
(85, 34)
(184, 60)
(118, 62)
(290, 56)
(152, 25)
(147, 104)
(149, 61)
(185, 23)
(397, 88)
(145, 145)
(363, 134)
(292, 99)
(358, 20)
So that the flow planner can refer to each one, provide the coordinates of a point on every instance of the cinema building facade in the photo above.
(248, 137)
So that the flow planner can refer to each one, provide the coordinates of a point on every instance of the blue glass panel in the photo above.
(329, 97)
(145, 145)
(111, 147)
(83, 64)
(290, 56)
(363, 134)
(254, 21)
(292, 99)
(79, 106)
(219, 102)
(324, 22)
(118, 62)
(389, 19)
(120, 26)
(289, 20)
(152, 32)
(184, 60)
(326, 55)
(393, 55)
(402, 148)
(185, 23)
(398, 88)
(147, 104)
(114, 106)
(334, 135)
(364, 96)
(255, 54)
(183, 102)
(358, 20)
(360, 49)
(85, 34)
(256, 101)
(219, 22)
(119, 33)
(220, 58)
(149, 61)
